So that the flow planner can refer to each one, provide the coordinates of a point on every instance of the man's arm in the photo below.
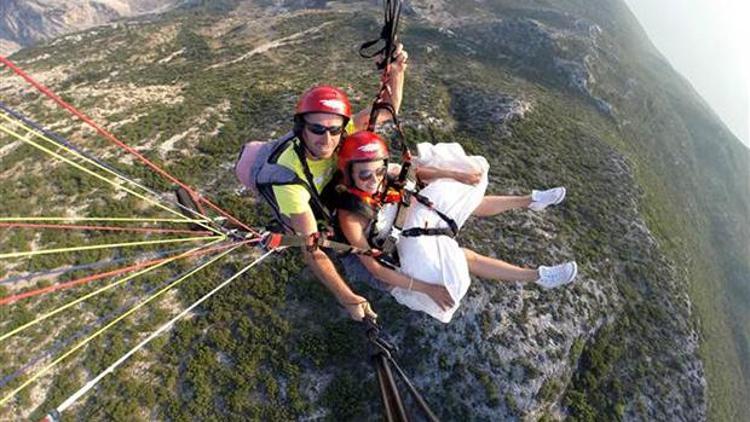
(396, 84)
(357, 306)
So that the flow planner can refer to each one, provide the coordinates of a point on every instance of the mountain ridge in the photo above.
(26, 22)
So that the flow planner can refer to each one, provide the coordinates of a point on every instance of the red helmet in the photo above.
(360, 147)
(324, 99)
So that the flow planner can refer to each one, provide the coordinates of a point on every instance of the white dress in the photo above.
(439, 259)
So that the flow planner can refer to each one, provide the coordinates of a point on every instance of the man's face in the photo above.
(322, 145)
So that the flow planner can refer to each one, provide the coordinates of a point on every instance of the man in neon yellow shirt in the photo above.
(323, 113)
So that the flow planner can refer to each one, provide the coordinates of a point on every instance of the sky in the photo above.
(706, 41)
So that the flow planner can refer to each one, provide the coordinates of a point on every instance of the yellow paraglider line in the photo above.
(100, 219)
(109, 245)
(88, 339)
(31, 131)
(98, 291)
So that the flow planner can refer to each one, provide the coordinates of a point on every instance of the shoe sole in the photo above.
(561, 198)
(572, 276)
(555, 202)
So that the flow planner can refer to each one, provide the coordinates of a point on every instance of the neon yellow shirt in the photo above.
(295, 199)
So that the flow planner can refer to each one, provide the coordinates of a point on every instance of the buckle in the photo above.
(270, 240)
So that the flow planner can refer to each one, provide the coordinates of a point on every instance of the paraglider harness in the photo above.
(257, 168)
(407, 175)
(382, 350)
(368, 206)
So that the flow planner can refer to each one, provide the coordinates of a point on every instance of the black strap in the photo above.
(427, 203)
(299, 149)
(388, 34)
(433, 231)
(316, 240)
(391, 17)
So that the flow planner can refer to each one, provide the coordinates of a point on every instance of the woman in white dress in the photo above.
(433, 270)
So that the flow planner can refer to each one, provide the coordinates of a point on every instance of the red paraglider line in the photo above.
(99, 228)
(55, 287)
(46, 91)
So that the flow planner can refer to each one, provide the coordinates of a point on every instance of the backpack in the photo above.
(256, 168)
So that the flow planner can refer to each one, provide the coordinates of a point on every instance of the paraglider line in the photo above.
(60, 344)
(27, 140)
(101, 290)
(100, 228)
(110, 245)
(84, 280)
(111, 219)
(46, 91)
(88, 339)
(53, 138)
(64, 270)
(89, 385)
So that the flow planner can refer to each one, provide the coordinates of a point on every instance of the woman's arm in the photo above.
(354, 226)
(427, 173)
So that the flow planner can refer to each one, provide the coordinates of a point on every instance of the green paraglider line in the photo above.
(88, 339)
(109, 245)
(100, 290)
(26, 139)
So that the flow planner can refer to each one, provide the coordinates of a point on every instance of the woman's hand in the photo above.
(440, 295)
(470, 178)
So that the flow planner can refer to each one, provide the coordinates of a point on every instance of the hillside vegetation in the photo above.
(656, 327)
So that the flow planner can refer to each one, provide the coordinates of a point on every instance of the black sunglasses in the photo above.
(319, 129)
(365, 175)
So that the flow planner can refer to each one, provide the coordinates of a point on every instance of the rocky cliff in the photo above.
(570, 94)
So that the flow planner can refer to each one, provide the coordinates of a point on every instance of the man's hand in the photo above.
(325, 271)
(400, 56)
(359, 309)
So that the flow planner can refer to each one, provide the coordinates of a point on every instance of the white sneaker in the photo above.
(557, 275)
(541, 199)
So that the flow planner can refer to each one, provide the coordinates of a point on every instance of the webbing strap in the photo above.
(316, 240)
(298, 148)
(433, 231)
(392, 13)
(452, 226)
(389, 245)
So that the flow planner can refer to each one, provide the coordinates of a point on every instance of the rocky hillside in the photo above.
(27, 22)
(655, 328)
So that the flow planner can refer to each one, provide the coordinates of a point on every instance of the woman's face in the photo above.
(368, 176)
(322, 133)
